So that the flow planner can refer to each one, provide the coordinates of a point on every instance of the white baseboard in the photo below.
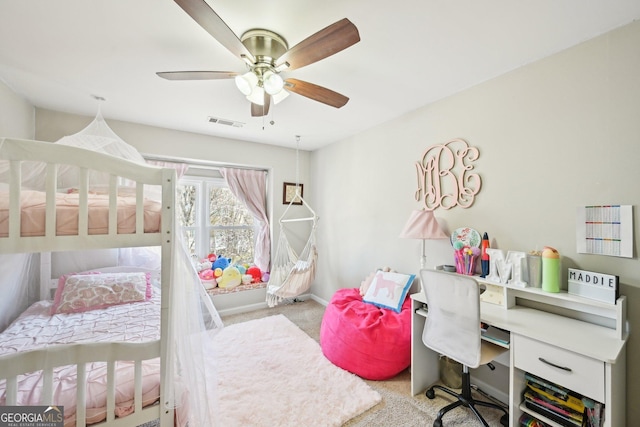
(319, 300)
(260, 305)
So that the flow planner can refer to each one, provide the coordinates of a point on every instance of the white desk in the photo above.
(595, 354)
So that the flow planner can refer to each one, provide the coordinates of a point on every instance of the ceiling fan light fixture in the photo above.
(246, 83)
(257, 96)
(272, 82)
(279, 96)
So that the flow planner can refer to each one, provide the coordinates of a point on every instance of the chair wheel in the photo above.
(504, 420)
(431, 395)
(437, 423)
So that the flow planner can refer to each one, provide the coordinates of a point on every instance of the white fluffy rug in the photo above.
(271, 373)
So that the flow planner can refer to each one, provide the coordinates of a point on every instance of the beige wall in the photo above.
(17, 115)
(554, 135)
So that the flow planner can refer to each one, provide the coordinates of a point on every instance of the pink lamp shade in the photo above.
(422, 224)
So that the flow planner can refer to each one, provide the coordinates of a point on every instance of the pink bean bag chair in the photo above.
(369, 341)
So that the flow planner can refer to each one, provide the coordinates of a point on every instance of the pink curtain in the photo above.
(250, 186)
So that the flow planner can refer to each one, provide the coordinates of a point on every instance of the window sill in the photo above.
(239, 288)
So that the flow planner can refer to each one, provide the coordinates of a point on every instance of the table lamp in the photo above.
(422, 225)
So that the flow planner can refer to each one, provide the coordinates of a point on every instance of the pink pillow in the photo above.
(84, 292)
(367, 340)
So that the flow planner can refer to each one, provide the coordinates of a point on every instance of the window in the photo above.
(214, 220)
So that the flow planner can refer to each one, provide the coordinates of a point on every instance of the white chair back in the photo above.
(452, 327)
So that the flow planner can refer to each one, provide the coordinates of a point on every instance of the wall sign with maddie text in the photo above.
(445, 177)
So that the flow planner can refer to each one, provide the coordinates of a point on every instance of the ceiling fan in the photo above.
(266, 55)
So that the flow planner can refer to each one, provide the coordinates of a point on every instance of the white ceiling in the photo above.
(57, 54)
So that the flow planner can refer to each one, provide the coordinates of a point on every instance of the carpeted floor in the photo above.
(398, 408)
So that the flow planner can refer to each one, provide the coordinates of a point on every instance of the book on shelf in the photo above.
(527, 420)
(565, 416)
(564, 422)
(494, 334)
(560, 404)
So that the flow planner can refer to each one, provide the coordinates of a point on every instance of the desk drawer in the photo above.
(583, 375)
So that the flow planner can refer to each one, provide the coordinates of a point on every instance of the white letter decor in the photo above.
(509, 270)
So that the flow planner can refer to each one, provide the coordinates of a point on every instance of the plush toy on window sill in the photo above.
(230, 278)
(207, 279)
(255, 273)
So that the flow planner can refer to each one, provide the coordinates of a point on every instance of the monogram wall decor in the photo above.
(445, 177)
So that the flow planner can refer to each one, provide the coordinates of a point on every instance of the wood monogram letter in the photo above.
(444, 175)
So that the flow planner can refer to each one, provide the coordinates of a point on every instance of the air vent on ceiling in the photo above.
(225, 122)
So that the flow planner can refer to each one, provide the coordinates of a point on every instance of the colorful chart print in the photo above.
(466, 235)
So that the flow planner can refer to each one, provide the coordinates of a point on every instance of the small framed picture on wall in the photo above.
(289, 190)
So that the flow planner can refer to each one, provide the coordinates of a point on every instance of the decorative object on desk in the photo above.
(550, 270)
(289, 192)
(534, 269)
(605, 230)
(596, 286)
(444, 175)
(484, 255)
(507, 270)
(466, 258)
(468, 237)
(422, 224)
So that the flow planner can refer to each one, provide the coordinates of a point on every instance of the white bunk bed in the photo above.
(152, 225)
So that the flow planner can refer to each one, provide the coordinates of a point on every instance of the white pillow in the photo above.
(389, 289)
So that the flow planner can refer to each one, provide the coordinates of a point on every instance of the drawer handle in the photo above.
(564, 368)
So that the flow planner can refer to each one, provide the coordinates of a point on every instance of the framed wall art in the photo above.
(289, 190)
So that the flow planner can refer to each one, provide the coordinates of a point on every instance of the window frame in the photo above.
(202, 229)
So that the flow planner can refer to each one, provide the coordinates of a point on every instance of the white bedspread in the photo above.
(36, 328)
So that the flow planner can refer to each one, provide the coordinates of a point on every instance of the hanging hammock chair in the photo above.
(292, 274)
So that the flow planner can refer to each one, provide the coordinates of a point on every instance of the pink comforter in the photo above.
(33, 205)
(36, 328)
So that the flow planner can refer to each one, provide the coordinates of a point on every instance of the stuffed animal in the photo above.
(221, 262)
(265, 277)
(255, 273)
(230, 278)
(203, 265)
(246, 279)
(207, 279)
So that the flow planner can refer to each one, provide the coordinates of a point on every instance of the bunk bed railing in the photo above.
(58, 356)
(19, 151)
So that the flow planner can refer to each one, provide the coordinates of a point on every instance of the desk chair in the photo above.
(452, 328)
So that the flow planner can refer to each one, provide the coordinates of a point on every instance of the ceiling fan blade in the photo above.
(315, 92)
(196, 75)
(202, 13)
(326, 42)
(261, 110)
